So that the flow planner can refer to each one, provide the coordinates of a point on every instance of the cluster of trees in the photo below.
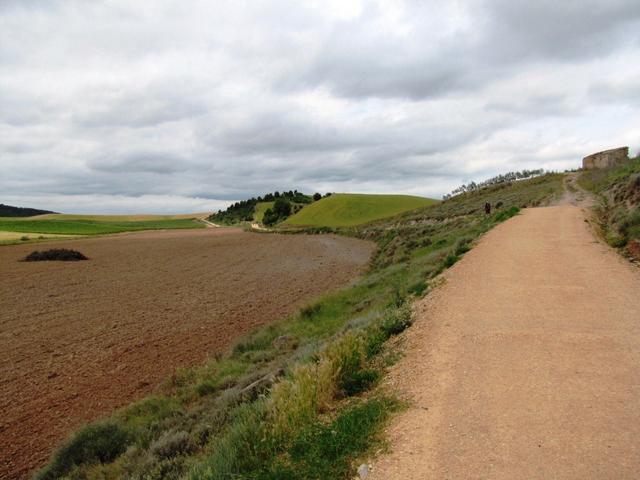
(9, 211)
(292, 195)
(504, 178)
(244, 210)
(281, 210)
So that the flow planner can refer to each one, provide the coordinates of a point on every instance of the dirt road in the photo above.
(525, 364)
(78, 340)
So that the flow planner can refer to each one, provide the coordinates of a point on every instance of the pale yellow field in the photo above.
(8, 236)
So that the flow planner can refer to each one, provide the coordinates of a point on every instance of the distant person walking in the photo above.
(487, 208)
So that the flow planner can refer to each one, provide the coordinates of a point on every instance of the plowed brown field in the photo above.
(80, 339)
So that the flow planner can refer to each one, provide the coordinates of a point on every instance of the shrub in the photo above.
(172, 444)
(450, 261)
(397, 320)
(462, 246)
(282, 208)
(60, 254)
(317, 196)
(418, 288)
(507, 214)
(616, 241)
(310, 311)
(97, 443)
(359, 381)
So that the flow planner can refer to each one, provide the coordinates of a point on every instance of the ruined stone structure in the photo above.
(605, 159)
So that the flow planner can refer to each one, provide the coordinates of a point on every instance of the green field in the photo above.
(350, 209)
(260, 209)
(89, 226)
(109, 218)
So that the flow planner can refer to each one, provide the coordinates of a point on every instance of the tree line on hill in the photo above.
(503, 178)
(285, 203)
(9, 211)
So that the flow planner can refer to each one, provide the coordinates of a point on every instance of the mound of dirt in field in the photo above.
(57, 254)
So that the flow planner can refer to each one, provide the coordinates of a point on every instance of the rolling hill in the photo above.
(350, 209)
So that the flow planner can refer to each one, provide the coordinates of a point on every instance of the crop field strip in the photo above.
(83, 226)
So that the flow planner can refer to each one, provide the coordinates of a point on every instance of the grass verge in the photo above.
(618, 191)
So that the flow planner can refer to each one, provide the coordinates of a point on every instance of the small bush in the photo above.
(616, 241)
(59, 254)
(206, 387)
(171, 444)
(97, 443)
(507, 214)
(359, 381)
(24, 238)
(462, 246)
(418, 288)
(310, 311)
(397, 321)
(450, 261)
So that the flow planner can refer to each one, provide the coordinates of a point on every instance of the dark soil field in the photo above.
(80, 339)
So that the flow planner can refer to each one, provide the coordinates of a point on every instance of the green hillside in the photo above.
(350, 209)
(260, 209)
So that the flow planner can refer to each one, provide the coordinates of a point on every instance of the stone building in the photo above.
(605, 159)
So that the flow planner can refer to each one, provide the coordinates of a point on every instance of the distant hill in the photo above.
(350, 209)
(254, 209)
(9, 211)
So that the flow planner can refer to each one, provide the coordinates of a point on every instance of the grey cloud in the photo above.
(535, 105)
(616, 92)
(549, 29)
(148, 106)
(357, 60)
(141, 162)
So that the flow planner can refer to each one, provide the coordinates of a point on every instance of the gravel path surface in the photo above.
(525, 364)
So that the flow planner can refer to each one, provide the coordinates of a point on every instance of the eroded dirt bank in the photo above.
(526, 363)
(78, 340)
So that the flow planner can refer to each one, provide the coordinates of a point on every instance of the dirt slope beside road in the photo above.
(526, 363)
(78, 340)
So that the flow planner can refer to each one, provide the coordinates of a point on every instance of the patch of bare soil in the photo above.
(525, 363)
(80, 339)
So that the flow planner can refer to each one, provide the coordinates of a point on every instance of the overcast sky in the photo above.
(180, 106)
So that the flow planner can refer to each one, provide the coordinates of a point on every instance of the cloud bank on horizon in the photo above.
(173, 106)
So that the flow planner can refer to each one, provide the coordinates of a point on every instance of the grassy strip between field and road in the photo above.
(351, 209)
(301, 398)
(84, 226)
(618, 191)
